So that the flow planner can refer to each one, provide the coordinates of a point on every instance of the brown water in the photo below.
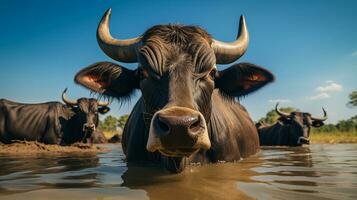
(314, 172)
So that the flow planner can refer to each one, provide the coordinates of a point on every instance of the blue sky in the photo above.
(310, 46)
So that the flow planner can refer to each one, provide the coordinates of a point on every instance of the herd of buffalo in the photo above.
(188, 110)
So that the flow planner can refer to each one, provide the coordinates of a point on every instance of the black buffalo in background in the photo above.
(51, 122)
(291, 129)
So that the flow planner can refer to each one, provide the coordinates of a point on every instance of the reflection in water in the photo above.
(47, 172)
(314, 172)
(214, 181)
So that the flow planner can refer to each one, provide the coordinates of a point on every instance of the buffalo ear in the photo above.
(317, 123)
(108, 79)
(74, 108)
(103, 109)
(242, 79)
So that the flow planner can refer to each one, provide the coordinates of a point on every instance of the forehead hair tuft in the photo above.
(177, 34)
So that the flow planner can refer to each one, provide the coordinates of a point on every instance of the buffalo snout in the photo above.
(178, 131)
(168, 123)
(89, 127)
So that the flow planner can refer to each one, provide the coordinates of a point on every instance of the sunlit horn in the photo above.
(281, 113)
(103, 103)
(120, 50)
(228, 52)
(66, 100)
(322, 118)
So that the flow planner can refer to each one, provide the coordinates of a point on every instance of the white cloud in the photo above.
(319, 96)
(279, 101)
(324, 91)
(330, 86)
(354, 53)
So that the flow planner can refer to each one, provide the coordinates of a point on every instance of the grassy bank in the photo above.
(333, 137)
(110, 134)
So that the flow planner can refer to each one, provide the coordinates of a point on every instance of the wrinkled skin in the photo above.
(187, 111)
(50, 123)
(293, 130)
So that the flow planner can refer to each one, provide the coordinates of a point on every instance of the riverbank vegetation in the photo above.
(334, 137)
(111, 125)
(344, 131)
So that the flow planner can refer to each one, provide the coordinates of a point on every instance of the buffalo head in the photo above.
(177, 75)
(299, 124)
(86, 113)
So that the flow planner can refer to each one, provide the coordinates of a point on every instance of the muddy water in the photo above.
(314, 172)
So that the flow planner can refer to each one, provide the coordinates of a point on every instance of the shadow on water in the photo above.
(315, 172)
(214, 181)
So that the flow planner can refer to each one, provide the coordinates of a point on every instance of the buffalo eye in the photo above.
(142, 73)
(212, 74)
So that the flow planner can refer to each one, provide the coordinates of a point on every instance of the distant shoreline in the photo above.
(333, 138)
(315, 137)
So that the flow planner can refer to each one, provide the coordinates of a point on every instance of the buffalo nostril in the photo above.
(195, 124)
(162, 125)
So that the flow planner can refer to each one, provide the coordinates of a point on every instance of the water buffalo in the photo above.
(188, 110)
(51, 122)
(290, 130)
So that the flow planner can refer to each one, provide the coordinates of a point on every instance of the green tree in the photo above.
(345, 125)
(110, 123)
(349, 125)
(272, 116)
(327, 128)
(122, 120)
(353, 99)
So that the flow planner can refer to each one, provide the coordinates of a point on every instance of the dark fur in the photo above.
(177, 34)
(50, 123)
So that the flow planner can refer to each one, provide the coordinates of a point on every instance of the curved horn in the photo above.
(102, 103)
(281, 113)
(66, 100)
(229, 52)
(120, 50)
(322, 118)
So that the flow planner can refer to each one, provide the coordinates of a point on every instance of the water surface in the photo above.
(314, 172)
